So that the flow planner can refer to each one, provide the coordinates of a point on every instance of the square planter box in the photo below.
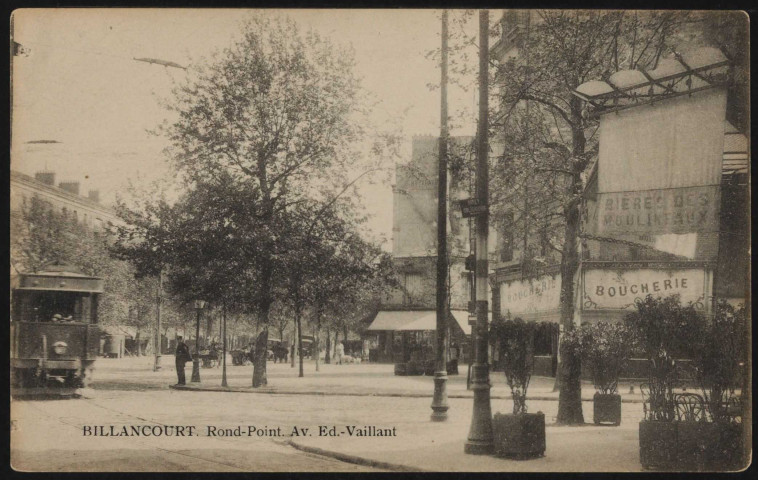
(519, 436)
(400, 369)
(606, 408)
(414, 368)
(691, 446)
(658, 445)
(710, 446)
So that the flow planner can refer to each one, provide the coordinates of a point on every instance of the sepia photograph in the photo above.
(379, 240)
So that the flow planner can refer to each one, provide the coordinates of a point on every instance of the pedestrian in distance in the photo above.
(339, 353)
(182, 356)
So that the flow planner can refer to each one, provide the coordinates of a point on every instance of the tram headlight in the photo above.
(60, 348)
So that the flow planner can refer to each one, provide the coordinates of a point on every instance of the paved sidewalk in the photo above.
(373, 380)
(371, 395)
(422, 445)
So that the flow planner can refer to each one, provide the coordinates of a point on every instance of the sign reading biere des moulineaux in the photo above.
(661, 211)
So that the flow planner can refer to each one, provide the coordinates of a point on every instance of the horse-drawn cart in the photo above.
(209, 358)
(241, 357)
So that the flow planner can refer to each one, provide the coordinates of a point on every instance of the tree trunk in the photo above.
(139, 346)
(299, 323)
(570, 396)
(291, 347)
(208, 328)
(327, 355)
(259, 366)
(317, 334)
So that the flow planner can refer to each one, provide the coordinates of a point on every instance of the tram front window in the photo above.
(55, 307)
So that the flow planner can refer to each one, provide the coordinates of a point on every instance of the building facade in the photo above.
(407, 314)
(665, 204)
(65, 198)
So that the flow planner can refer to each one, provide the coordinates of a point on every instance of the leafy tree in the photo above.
(276, 112)
(329, 265)
(42, 236)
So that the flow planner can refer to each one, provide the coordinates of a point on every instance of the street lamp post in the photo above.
(480, 438)
(199, 305)
(439, 401)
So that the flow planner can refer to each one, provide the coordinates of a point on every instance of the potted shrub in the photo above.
(684, 430)
(605, 351)
(719, 369)
(519, 434)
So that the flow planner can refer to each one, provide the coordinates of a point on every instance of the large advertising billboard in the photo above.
(660, 211)
(677, 142)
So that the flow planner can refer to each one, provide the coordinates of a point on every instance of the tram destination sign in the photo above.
(470, 207)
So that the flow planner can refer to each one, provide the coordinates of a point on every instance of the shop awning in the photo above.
(416, 320)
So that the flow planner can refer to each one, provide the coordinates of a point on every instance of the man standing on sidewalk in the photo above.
(339, 353)
(182, 357)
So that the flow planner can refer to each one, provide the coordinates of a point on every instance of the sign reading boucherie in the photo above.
(619, 289)
(671, 210)
(531, 299)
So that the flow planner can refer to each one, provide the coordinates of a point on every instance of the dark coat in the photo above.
(182, 353)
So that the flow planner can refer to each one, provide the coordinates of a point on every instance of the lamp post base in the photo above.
(195, 371)
(480, 438)
(473, 447)
(157, 365)
(439, 401)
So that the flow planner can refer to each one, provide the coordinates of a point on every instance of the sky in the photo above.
(80, 85)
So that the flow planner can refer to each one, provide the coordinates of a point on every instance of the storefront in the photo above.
(609, 290)
(406, 334)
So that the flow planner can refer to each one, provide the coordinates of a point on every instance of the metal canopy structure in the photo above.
(680, 74)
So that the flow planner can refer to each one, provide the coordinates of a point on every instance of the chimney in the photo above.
(94, 195)
(70, 187)
(46, 177)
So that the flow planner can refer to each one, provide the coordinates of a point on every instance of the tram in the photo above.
(55, 337)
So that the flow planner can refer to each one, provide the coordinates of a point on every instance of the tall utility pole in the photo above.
(158, 300)
(480, 439)
(439, 401)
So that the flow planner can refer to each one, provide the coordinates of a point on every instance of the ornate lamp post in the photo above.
(480, 438)
(199, 305)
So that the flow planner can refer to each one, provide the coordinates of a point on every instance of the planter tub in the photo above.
(606, 408)
(451, 368)
(693, 446)
(414, 368)
(658, 445)
(519, 436)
